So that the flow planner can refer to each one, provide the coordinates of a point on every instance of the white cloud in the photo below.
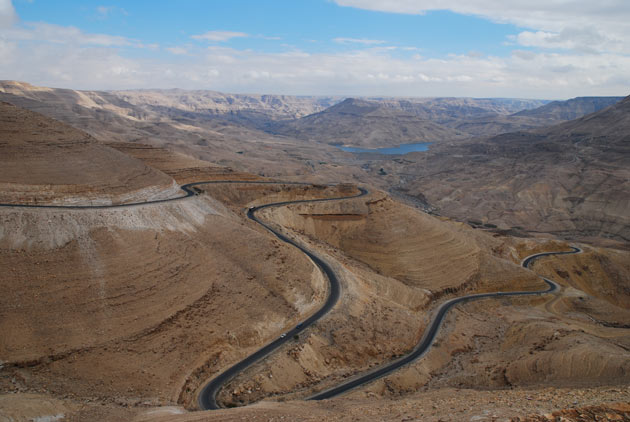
(268, 38)
(362, 72)
(363, 41)
(103, 10)
(218, 36)
(572, 24)
(106, 11)
(584, 39)
(7, 14)
(180, 51)
(45, 32)
(53, 55)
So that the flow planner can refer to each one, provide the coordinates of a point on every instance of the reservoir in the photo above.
(399, 150)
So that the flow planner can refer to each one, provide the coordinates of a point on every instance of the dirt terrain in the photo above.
(45, 161)
(212, 138)
(507, 340)
(96, 336)
(367, 124)
(569, 180)
(485, 338)
(526, 180)
(124, 313)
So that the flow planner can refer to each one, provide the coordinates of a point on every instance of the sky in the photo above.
(546, 49)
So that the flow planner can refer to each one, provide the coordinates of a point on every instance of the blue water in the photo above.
(402, 149)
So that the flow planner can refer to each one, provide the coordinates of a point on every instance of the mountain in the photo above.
(112, 116)
(446, 110)
(237, 107)
(124, 313)
(103, 112)
(531, 118)
(570, 109)
(572, 179)
(143, 103)
(364, 123)
(393, 121)
(109, 118)
(45, 160)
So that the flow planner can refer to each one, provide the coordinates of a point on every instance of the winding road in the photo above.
(207, 396)
(187, 188)
(431, 331)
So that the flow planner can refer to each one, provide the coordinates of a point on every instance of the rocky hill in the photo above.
(365, 123)
(47, 161)
(571, 179)
(212, 103)
(123, 313)
(109, 118)
(550, 114)
(394, 121)
(145, 114)
(446, 110)
(570, 109)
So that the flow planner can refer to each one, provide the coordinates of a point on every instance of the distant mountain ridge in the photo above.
(571, 109)
(548, 114)
(489, 160)
(444, 110)
(273, 107)
(571, 179)
(364, 123)
(198, 117)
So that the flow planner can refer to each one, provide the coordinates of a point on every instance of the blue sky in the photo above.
(544, 49)
(271, 26)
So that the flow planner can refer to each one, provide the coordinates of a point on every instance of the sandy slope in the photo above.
(108, 314)
(47, 161)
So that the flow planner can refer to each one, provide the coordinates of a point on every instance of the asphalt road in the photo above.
(207, 396)
(187, 188)
(430, 333)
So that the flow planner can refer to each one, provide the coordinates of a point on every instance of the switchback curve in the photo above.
(207, 396)
(431, 331)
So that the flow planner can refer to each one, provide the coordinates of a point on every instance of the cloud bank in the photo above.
(7, 14)
(588, 62)
(600, 26)
(218, 36)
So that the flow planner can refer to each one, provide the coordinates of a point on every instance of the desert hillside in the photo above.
(365, 123)
(550, 114)
(207, 136)
(250, 109)
(125, 313)
(45, 161)
(571, 109)
(570, 179)
(94, 295)
(315, 211)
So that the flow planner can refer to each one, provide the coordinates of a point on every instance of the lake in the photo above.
(402, 149)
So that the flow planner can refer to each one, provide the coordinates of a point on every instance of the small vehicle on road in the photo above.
(283, 335)
(300, 325)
